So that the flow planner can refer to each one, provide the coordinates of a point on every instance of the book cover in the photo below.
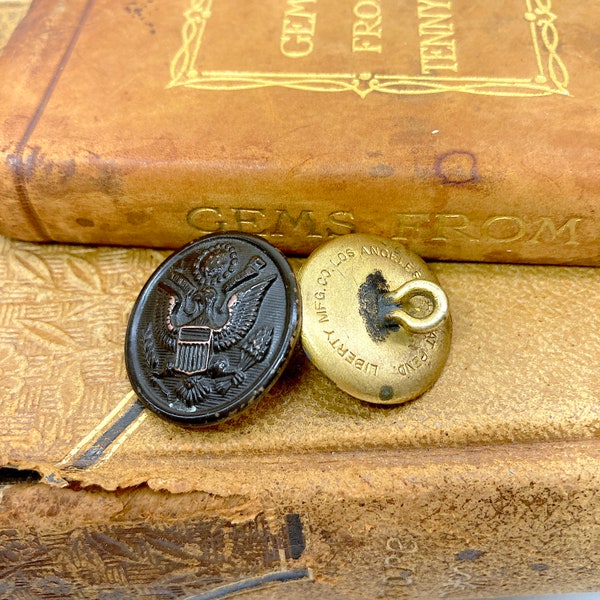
(467, 131)
(11, 14)
(486, 486)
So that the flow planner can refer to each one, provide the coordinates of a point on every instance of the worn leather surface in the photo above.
(114, 130)
(11, 14)
(479, 523)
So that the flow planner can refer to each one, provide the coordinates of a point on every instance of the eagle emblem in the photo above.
(203, 339)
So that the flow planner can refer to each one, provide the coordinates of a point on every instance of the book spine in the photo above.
(484, 523)
(48, 51)
(447, 203)
(91, 200)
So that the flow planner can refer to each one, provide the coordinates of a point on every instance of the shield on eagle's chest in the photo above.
(193, 351)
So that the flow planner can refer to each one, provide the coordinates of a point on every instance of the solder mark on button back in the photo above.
(386, 393)
(373, 306)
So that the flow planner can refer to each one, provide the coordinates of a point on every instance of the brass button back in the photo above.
(375, 319)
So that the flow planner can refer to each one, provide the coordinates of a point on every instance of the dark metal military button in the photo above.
(212, 328)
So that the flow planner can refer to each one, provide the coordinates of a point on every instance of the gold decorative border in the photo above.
(552, 76)
(183, 64)
(543, 30)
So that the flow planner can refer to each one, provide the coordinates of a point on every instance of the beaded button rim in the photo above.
(269, 377)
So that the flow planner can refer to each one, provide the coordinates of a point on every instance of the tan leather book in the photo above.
(486, 486)
(466, 130)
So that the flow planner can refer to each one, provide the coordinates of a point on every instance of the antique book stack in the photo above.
(467, 131)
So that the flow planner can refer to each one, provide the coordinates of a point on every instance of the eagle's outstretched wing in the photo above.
(243, 310)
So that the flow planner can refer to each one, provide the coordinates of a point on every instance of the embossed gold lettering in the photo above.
(403, 578)
(440, 45)
(414, 363)
(245, 219)
(436, 37)
(298, 29)
(397, 563)
(206, 219)
(431, 338)
(321, 311)
(391, 255)
(350, 357)
(441, 228)
(342, 221)
(323, 277)
(274, 222)
(391, 562)
(455, 223)
(367, 28)
(503, 228)
(305, 217)
(408, 224)
(393, 544)
(549, 231)
(342, 257)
